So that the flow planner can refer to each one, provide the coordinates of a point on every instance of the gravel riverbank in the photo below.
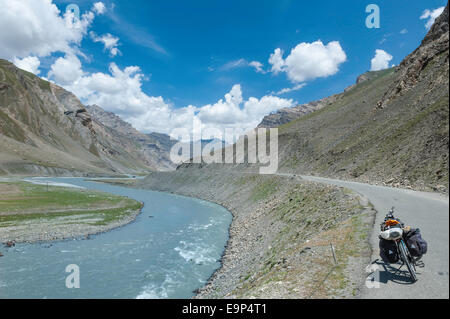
(59, 228)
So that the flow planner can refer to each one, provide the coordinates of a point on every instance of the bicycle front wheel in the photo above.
(405, 257)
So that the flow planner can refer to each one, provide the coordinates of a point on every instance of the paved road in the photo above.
(429, 212)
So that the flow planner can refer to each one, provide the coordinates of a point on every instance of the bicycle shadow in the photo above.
(391, 273)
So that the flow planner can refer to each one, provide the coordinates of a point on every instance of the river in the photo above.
(171, 249)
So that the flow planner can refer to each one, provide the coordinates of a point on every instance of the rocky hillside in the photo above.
(433, 49)
(45, 129)
(288, 114)
(151, 149)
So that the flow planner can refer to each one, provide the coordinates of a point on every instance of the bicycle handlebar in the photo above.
(391, 213)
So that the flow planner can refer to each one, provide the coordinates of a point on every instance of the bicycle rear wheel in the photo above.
(405, 257)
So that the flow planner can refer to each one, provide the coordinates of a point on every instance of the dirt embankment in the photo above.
(279, 245)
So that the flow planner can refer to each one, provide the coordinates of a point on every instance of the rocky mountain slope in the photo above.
(433, 49)
(45, 129)
(288, 114)
(150, 149)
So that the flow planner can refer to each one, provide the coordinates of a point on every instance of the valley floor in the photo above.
(30, 213)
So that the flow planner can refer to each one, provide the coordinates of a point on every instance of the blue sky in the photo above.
(193, 52)
(200, 34)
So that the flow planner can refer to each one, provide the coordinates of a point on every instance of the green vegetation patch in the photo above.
(44, 85)
(24, 202)
(264, 189)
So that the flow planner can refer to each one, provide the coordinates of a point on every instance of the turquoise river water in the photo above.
(169, 251)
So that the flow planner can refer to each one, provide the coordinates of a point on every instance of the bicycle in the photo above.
(393, 229)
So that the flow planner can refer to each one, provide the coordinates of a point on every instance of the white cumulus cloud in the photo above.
(308, 61)
(431, 15)
(66, 71)
(29, 63)
(234, 112)
(277, 61)
(380, 61)
(120, 91)
(99, 7)
(31, 29)
(39, 28)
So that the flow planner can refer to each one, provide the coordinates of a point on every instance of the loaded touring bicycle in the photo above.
(398, 242)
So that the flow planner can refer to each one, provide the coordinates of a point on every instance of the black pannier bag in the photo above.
(388, 251)
(416, 244)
